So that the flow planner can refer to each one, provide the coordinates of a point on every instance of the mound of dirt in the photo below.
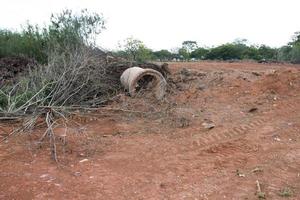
(11, 67)
(280, 82)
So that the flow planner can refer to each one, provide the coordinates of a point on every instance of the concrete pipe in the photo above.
(131, 77)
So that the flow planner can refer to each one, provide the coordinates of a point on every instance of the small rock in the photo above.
(106, 135)
(251, 110)
(277, 139)
(201, 87)
(77, 174)
(84, 160)
(208, 125)
(256, 73)
(44, 175)
(240, 174)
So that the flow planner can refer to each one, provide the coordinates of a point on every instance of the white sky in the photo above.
(164, 24)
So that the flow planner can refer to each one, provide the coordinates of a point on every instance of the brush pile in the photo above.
(85, 79)
(89, 77)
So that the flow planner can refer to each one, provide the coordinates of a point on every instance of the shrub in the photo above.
(225, 52)
(295, 54)
(267, 53)
(199, 53)
(66, 30)
(30, 42)
(162, 55)
(72, 74)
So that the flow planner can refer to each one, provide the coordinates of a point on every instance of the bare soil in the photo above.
(222, 127)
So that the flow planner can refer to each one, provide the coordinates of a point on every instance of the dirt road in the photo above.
(222, 128)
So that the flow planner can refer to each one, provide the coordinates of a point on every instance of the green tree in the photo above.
(251, 52)
(189, 45)
(162, 55)
(68, 29)
(295, 39)
(267, 53)
(144, 54)
(199, 53)
(136, 50)
(183, 53)
(295, 48)
(295, 54)
(284, 53)
(225, 52)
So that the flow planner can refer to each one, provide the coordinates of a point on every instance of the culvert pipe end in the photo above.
(130, 77)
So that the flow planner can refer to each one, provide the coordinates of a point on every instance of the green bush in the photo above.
(69, 30)
(66, 30)
(295, 54)
(251, 53)
(162, 55)
(30, 42)
(267, 53)
(225, 52)
(284, 53)
(199, 53)
(69, 76)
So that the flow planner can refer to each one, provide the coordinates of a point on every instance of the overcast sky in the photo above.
(164, 24)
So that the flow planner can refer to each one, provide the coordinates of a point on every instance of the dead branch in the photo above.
(260, 194)
(50, 133)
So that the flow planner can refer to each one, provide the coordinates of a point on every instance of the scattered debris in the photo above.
(257, 169)
(238, 173)
(84, 160)
(184, 122)
(286, 192)
(256, 73)
(208, 124)
(277, 139)
(259, 193)
(44, 175)
(186, 75)
(77, 174)
(201, 87)
(251, 110)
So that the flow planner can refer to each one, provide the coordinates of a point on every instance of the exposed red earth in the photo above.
(223, 128)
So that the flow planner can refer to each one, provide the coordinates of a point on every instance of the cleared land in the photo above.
(138, 148)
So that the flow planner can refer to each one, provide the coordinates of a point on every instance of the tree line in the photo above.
(134, 49)
(35, 42)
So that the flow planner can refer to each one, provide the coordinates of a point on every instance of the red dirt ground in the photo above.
(164, 151)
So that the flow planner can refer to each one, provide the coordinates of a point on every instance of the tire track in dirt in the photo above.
(283, 169)
(242, 130)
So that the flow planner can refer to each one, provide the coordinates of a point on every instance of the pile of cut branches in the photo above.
(76, 75)
(84, 78)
